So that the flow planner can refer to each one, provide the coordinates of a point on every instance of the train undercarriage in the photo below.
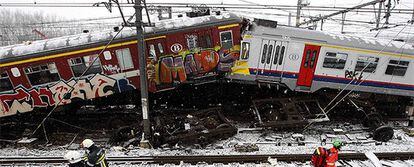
(179, 117)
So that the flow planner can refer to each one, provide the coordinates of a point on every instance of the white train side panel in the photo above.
(305, 60)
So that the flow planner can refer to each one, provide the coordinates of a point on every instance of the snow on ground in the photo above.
(359, 142)
(367, 163)
(269, 142)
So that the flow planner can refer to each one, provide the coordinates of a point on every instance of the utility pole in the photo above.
(412, 16)
(343, 23)
(322, 25)
(142, 74)
(290, 19)
(388, 14)
(379, 14)
(341, 11)
(298, 9)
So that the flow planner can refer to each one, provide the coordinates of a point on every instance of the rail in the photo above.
(208, 158)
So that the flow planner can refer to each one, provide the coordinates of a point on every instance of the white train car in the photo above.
(307, 60)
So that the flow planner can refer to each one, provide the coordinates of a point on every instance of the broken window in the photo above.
(335, 60)
(80, 64)
(397, 67)
(245, 50)
(226, 39)
(191, 41)
(367, 62)
(42, 74)
(5, 83)
(124, 58)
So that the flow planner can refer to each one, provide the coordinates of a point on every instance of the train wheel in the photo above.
(383, 133)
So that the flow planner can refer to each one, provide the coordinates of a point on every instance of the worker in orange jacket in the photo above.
(332, 156)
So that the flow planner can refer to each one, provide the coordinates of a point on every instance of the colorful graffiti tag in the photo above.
(180, 68)
(23, 100)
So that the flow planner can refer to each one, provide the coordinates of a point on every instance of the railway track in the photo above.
(207, 158)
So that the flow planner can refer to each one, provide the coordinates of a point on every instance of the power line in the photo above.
(285, 8)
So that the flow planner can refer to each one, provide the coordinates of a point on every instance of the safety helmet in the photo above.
(73, 157)
(87, 143)
(337, 144)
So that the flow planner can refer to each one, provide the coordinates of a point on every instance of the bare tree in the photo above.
(18, 26)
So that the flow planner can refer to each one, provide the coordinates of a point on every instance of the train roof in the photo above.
(78, 41)
(314, 36)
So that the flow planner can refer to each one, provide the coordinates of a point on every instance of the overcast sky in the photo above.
(94, 12)
(329, 25)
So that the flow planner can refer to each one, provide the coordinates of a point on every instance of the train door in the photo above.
(278, 57)
(307, 68)
(264, 53)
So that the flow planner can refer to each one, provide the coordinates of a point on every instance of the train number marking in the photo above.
(176, 47)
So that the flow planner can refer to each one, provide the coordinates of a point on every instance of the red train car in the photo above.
(36, 75)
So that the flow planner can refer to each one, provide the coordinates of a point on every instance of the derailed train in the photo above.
(37, 75)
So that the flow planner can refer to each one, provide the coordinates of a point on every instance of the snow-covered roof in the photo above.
(337, 39)
(13, 52)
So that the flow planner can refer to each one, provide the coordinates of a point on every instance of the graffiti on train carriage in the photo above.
(24, 100)
(191, 64)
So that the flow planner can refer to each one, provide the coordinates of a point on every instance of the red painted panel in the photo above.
(64, 69)
(308, 65)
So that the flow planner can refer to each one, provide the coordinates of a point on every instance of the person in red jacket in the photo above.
(332, 156)
(323, 157)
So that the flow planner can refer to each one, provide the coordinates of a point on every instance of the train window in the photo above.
(264, 53)
(124, 59)
(191, 41)
(42, 74)
(306, 63)
(107, 55)
(313, 58)
(397, 67)
(226, 39)
(276, 54)
(205, 41)
(209, 44)
(269, 54)
(16, 72)
(335, 60)
(245, 50)
(365, 61)
(282, 54)
(5, 83)
(152, 53)
(80, 64)
(160, 48)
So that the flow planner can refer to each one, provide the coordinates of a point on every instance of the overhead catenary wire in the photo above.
(211, 5)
